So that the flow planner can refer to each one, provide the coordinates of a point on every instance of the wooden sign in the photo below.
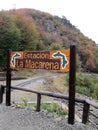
(57, 60)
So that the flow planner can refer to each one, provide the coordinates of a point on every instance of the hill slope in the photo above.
(38, 30)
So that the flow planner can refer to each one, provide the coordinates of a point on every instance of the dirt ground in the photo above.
(49, 82)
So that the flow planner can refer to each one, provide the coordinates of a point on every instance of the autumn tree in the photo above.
(87, 58)
(29, 34)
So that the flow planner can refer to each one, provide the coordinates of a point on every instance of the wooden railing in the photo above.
(85, 102)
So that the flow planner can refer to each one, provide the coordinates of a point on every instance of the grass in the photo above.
(50, 107)
(55, 84)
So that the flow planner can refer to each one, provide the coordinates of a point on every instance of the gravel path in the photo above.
(14, 118)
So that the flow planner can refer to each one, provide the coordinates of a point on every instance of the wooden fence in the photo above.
(86, 103)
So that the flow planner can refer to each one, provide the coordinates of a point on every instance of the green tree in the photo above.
(10, 37)
(55, 46)
(96, 60)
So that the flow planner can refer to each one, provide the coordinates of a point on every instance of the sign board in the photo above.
(57, 60)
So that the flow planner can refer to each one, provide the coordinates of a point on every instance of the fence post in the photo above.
(38, 102)
(72, 77)
(85, 112)
(8, 80)
(1, 93)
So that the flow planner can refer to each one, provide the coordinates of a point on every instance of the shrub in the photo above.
(86, 84)
(54, 108)
(95, 94)
(25, 101)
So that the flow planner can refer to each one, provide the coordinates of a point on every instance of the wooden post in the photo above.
(1, 94)
(85, 112)
(72, 77)
(8, 80)
(38, 102)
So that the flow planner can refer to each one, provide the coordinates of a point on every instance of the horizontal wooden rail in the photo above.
(57, 95)
(93, 123)
(45, 93)
(92, 103)
(2, 78)
(93, 114)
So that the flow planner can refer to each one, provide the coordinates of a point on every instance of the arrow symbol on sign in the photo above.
(63, 57)
(16, 55)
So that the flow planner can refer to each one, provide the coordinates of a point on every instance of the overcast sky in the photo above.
(81, 13)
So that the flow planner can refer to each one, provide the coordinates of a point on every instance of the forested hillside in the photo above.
(29, 29)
